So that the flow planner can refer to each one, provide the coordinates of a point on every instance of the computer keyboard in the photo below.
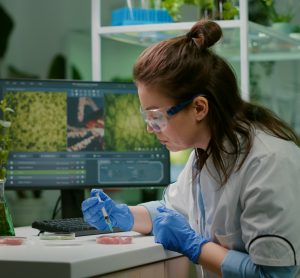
(69, 225)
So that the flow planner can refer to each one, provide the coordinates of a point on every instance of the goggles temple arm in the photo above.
(175, 109)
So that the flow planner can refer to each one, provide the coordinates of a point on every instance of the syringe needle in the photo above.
(105, 214)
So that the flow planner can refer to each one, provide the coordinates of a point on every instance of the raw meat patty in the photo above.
(12, 240)
(114, 239)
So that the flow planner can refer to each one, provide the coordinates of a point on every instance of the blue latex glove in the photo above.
(119, 214)
(173, 231)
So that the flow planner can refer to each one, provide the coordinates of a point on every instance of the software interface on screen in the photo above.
(70, 134)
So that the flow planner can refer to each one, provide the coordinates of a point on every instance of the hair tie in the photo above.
(198, 41)
(195, 40)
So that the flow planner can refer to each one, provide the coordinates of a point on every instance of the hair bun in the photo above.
(205, 33)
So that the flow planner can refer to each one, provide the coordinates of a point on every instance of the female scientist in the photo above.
(234, 210)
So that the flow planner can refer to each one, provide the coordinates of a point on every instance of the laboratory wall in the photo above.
(41, 30)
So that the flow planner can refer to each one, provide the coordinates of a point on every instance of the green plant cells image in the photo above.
(39, 123)
(125, 130)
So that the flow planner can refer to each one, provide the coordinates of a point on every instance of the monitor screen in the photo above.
(72, 135)
(75, 134)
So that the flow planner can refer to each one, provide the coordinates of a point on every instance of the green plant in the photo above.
(229, 10)
(258, 12)
(277, 16)
(5, 141)
(206, 8)
(205, 4)
(173, 7)
(296, 29)
(282, 18)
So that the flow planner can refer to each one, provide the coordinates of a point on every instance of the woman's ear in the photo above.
(201, 107)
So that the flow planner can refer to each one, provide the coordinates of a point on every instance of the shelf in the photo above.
(176, 26)
(147, 34)
(264, 43)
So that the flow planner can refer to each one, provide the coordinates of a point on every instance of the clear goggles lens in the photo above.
(155, 119)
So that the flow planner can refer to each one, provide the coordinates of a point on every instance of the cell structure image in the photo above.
(39, 121)
(125, 129)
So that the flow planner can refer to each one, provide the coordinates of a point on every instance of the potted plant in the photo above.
(223, 9)
(6, 225)
(229, 10)
(280, 20)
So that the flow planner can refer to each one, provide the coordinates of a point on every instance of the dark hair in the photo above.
(185, 66)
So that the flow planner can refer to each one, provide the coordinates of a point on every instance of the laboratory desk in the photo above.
(83, 257)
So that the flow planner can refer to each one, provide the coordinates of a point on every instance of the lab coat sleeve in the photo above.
(152, 207)
(178, 195)
(239, 265)
(270, 210)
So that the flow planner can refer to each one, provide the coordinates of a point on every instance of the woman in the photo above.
(233, 210)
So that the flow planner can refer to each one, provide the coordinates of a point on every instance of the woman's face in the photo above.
(183, 130)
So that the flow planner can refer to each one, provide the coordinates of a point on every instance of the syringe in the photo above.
(104, 212)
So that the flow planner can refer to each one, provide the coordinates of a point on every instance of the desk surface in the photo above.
(81, 257)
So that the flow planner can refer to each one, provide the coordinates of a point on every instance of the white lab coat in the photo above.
(256, 211)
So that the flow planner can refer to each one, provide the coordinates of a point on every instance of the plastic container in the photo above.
(57, 236)
(125, 16)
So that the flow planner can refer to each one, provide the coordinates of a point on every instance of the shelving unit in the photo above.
(150, 33)
(243, 42)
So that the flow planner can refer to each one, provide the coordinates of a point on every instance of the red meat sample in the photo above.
(114, 239)
(12, 240)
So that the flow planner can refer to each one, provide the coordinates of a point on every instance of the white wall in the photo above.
(40, 31)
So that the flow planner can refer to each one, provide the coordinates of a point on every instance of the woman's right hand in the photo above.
(119, 214)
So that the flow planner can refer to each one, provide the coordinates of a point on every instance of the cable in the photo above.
(56, 209)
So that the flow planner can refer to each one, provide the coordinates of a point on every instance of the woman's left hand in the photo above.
(173, 231)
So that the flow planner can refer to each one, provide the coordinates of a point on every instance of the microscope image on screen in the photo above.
(39, 121)
(125, 129)
(85, 124)
(70, 135)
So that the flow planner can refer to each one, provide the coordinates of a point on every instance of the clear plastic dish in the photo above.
(57, 236)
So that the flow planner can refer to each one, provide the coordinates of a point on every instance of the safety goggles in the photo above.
(157, 119)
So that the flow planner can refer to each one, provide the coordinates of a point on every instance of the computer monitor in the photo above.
(72, 135)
